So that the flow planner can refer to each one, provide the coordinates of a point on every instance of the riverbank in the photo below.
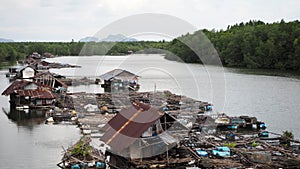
(266, 72)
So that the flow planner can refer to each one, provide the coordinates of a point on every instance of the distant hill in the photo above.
(89, 39)
(6, 40)
(109, 38)
(118, 38)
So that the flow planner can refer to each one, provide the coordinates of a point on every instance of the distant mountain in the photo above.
(118, 38)
(109, 38)
(6, 40)
(89, 39)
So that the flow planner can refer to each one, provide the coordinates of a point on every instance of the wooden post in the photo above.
(168, 155)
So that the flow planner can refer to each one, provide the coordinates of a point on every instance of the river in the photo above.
(273, 99)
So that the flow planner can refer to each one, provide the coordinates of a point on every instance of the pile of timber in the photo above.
(82, 155)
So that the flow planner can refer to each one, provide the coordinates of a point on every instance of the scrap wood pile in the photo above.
(177, 157)
(243, 152)
(220, 163)
(81, 153)
(55, 65)
(82, 81)
(170, 163)
(113, 102)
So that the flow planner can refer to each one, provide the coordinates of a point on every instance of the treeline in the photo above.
(121, 48)
(254, 44)
(11, 52)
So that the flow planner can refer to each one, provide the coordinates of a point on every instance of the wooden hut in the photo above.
(119, 79)
(47, 79)
(29, 94)
(13, 71)
(26, 72)
(143, 136)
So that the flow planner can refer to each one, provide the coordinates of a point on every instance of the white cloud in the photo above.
(117, 7)
(67, 19)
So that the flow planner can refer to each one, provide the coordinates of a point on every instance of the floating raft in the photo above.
(82, 155)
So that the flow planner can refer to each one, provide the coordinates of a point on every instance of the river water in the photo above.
(275, 100)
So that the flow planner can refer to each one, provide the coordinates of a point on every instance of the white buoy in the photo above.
(50, 120)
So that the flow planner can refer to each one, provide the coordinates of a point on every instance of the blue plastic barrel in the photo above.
(100, 165)
(75, 166)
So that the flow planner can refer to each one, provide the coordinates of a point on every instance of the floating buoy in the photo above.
(50, 120)
(104, 108)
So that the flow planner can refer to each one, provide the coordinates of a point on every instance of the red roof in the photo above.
(128, 125)
(40, 94)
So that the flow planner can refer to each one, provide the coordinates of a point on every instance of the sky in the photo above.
(64, 20)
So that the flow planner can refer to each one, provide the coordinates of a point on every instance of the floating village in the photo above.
(154, 129)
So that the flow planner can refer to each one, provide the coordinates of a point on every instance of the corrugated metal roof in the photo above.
(118, 74)
(128, 125)
(20, 84)
(40, 94)
(44, 74)
(17, 84)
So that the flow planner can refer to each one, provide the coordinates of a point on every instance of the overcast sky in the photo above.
(63, 20)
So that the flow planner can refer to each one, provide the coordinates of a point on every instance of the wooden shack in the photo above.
(13, 71)
(119, 79)
(47, 79)
(26, 72)
(25, 94)
(143, 136)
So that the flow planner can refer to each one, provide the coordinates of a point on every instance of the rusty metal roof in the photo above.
(128, 125)
(18, 84)
(37, 94)
(46, 74)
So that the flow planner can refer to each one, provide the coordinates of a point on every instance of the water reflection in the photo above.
(26, 117)
(266, 72)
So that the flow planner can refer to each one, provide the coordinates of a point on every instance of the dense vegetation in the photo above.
(254, 44)
(13, 51)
